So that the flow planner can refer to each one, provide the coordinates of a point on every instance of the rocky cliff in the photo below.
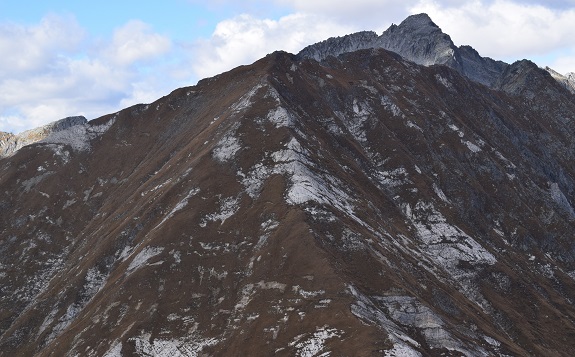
(567, 80)
(10, 143)
(420, 40)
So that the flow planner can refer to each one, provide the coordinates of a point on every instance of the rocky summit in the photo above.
(387, 195)
(10, 143)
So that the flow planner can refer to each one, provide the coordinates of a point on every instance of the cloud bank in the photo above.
(244, 39)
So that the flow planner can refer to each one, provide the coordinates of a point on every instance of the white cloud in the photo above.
(244, 39)
(31, 49)
(135, 41)
(565, 63)
(32, 57)
(373, 15)
(504, 29)
(52, 70)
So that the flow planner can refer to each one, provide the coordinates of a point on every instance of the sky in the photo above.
(62, 58)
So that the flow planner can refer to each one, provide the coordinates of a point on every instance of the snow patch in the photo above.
(411, 124)
(492, 341)
(269, 225)
(306, 294)
(95, 281)
(399, 315)
(28, 184)
(183, 347)
(228, 207)
(366, 310)
(115, 350)
(249, 290)
(142, 258)
(445, 244)
(361, 114)
(391, 106)
(183, 203)
(177, 256)
(440, 193)
(394, 178)
(446, 83)
(401, 350)
(280, 117)
(226, 148)
(246, 100)
(315, 343)
(457, 130)
(471, 146)
(307, 184)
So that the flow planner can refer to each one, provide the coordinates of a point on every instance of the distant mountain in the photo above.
(567, 80)
(343, 201)
(10, 143)
(420, 40)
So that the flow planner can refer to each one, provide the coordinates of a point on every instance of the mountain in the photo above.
(567, 80)
(10, 143)
(420, 40)
(356, 205)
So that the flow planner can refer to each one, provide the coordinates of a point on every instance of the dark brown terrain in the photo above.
(360, 205)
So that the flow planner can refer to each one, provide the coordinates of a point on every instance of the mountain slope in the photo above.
(364, 205)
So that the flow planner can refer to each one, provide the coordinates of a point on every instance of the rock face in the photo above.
(420, 40)
(10, 143)
(358, 206)
(567, 80)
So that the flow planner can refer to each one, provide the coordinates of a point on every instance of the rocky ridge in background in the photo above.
(568, 80)
(10, 143)
(420, 40)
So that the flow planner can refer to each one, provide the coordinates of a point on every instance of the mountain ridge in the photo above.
(417, 39)
(420, 40)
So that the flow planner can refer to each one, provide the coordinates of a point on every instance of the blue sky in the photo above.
(62, 57)
(174, 18)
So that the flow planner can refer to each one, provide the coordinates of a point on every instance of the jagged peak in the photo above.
(419, 22)
(567, 80)
(367, 35)
(335, 46)
(554, 73)
(417, 39)
(5, 135)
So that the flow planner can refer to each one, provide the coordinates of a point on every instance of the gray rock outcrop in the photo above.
(10, 143)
